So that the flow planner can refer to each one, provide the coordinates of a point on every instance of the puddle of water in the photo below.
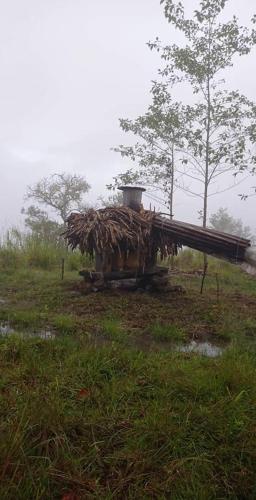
(204, 348)
(43, 334)
(5, 330)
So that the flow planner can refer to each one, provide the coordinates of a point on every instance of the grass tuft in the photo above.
(167, 332)
(112, 329)
(65, 323)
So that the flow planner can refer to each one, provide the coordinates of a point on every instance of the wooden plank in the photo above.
(213, 242)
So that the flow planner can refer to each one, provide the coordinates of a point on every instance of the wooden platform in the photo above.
(154, 278)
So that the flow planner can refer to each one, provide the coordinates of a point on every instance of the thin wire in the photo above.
(155, 198)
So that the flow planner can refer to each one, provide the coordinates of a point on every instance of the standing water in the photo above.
(204, 348)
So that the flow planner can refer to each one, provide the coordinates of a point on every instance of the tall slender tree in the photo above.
(220, 120)
(216, 127)
(161, 133)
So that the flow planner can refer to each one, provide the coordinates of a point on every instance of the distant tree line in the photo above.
(223, 221)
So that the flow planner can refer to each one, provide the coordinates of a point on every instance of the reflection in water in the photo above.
(5, 330)
(204, 348)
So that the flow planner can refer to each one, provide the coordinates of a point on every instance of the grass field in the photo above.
(107, 407)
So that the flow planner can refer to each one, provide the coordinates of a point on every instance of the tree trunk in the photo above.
(172, 185)
(207, 149)
(171, 197)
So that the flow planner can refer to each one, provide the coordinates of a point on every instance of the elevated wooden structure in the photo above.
(126, 241)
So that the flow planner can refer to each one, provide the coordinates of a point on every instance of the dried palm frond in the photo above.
(108, 229)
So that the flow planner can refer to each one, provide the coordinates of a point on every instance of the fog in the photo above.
(68, 70)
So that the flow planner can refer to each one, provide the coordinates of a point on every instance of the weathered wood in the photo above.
(159, 281)
(219, 244)
(90, 275)
(124, 284)
(119, 275)
(156, 279)
(62, 268)
(93, 276)
(100, 283)
(174, 289)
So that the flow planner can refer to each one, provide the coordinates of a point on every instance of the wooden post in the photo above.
(62, 268)
(218, 287)
(204, 276)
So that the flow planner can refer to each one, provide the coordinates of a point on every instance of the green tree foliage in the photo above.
(223, 221)
(60, 193)
(113, 200)
(160, 131)
(40, 225)
(213, 134)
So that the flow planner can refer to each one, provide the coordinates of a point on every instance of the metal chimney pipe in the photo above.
(132, 196)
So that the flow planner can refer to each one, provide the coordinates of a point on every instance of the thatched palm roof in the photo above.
(114, 228)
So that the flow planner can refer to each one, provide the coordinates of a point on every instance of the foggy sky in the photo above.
(68, 70)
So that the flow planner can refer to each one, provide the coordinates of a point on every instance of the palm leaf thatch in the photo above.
(117, 228)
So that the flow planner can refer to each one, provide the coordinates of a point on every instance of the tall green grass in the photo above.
(192, 260)
(18, 250)
(108, 423)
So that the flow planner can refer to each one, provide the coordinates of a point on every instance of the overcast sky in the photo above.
(68, 70)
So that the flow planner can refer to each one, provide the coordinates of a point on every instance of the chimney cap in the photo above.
(132, 188)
